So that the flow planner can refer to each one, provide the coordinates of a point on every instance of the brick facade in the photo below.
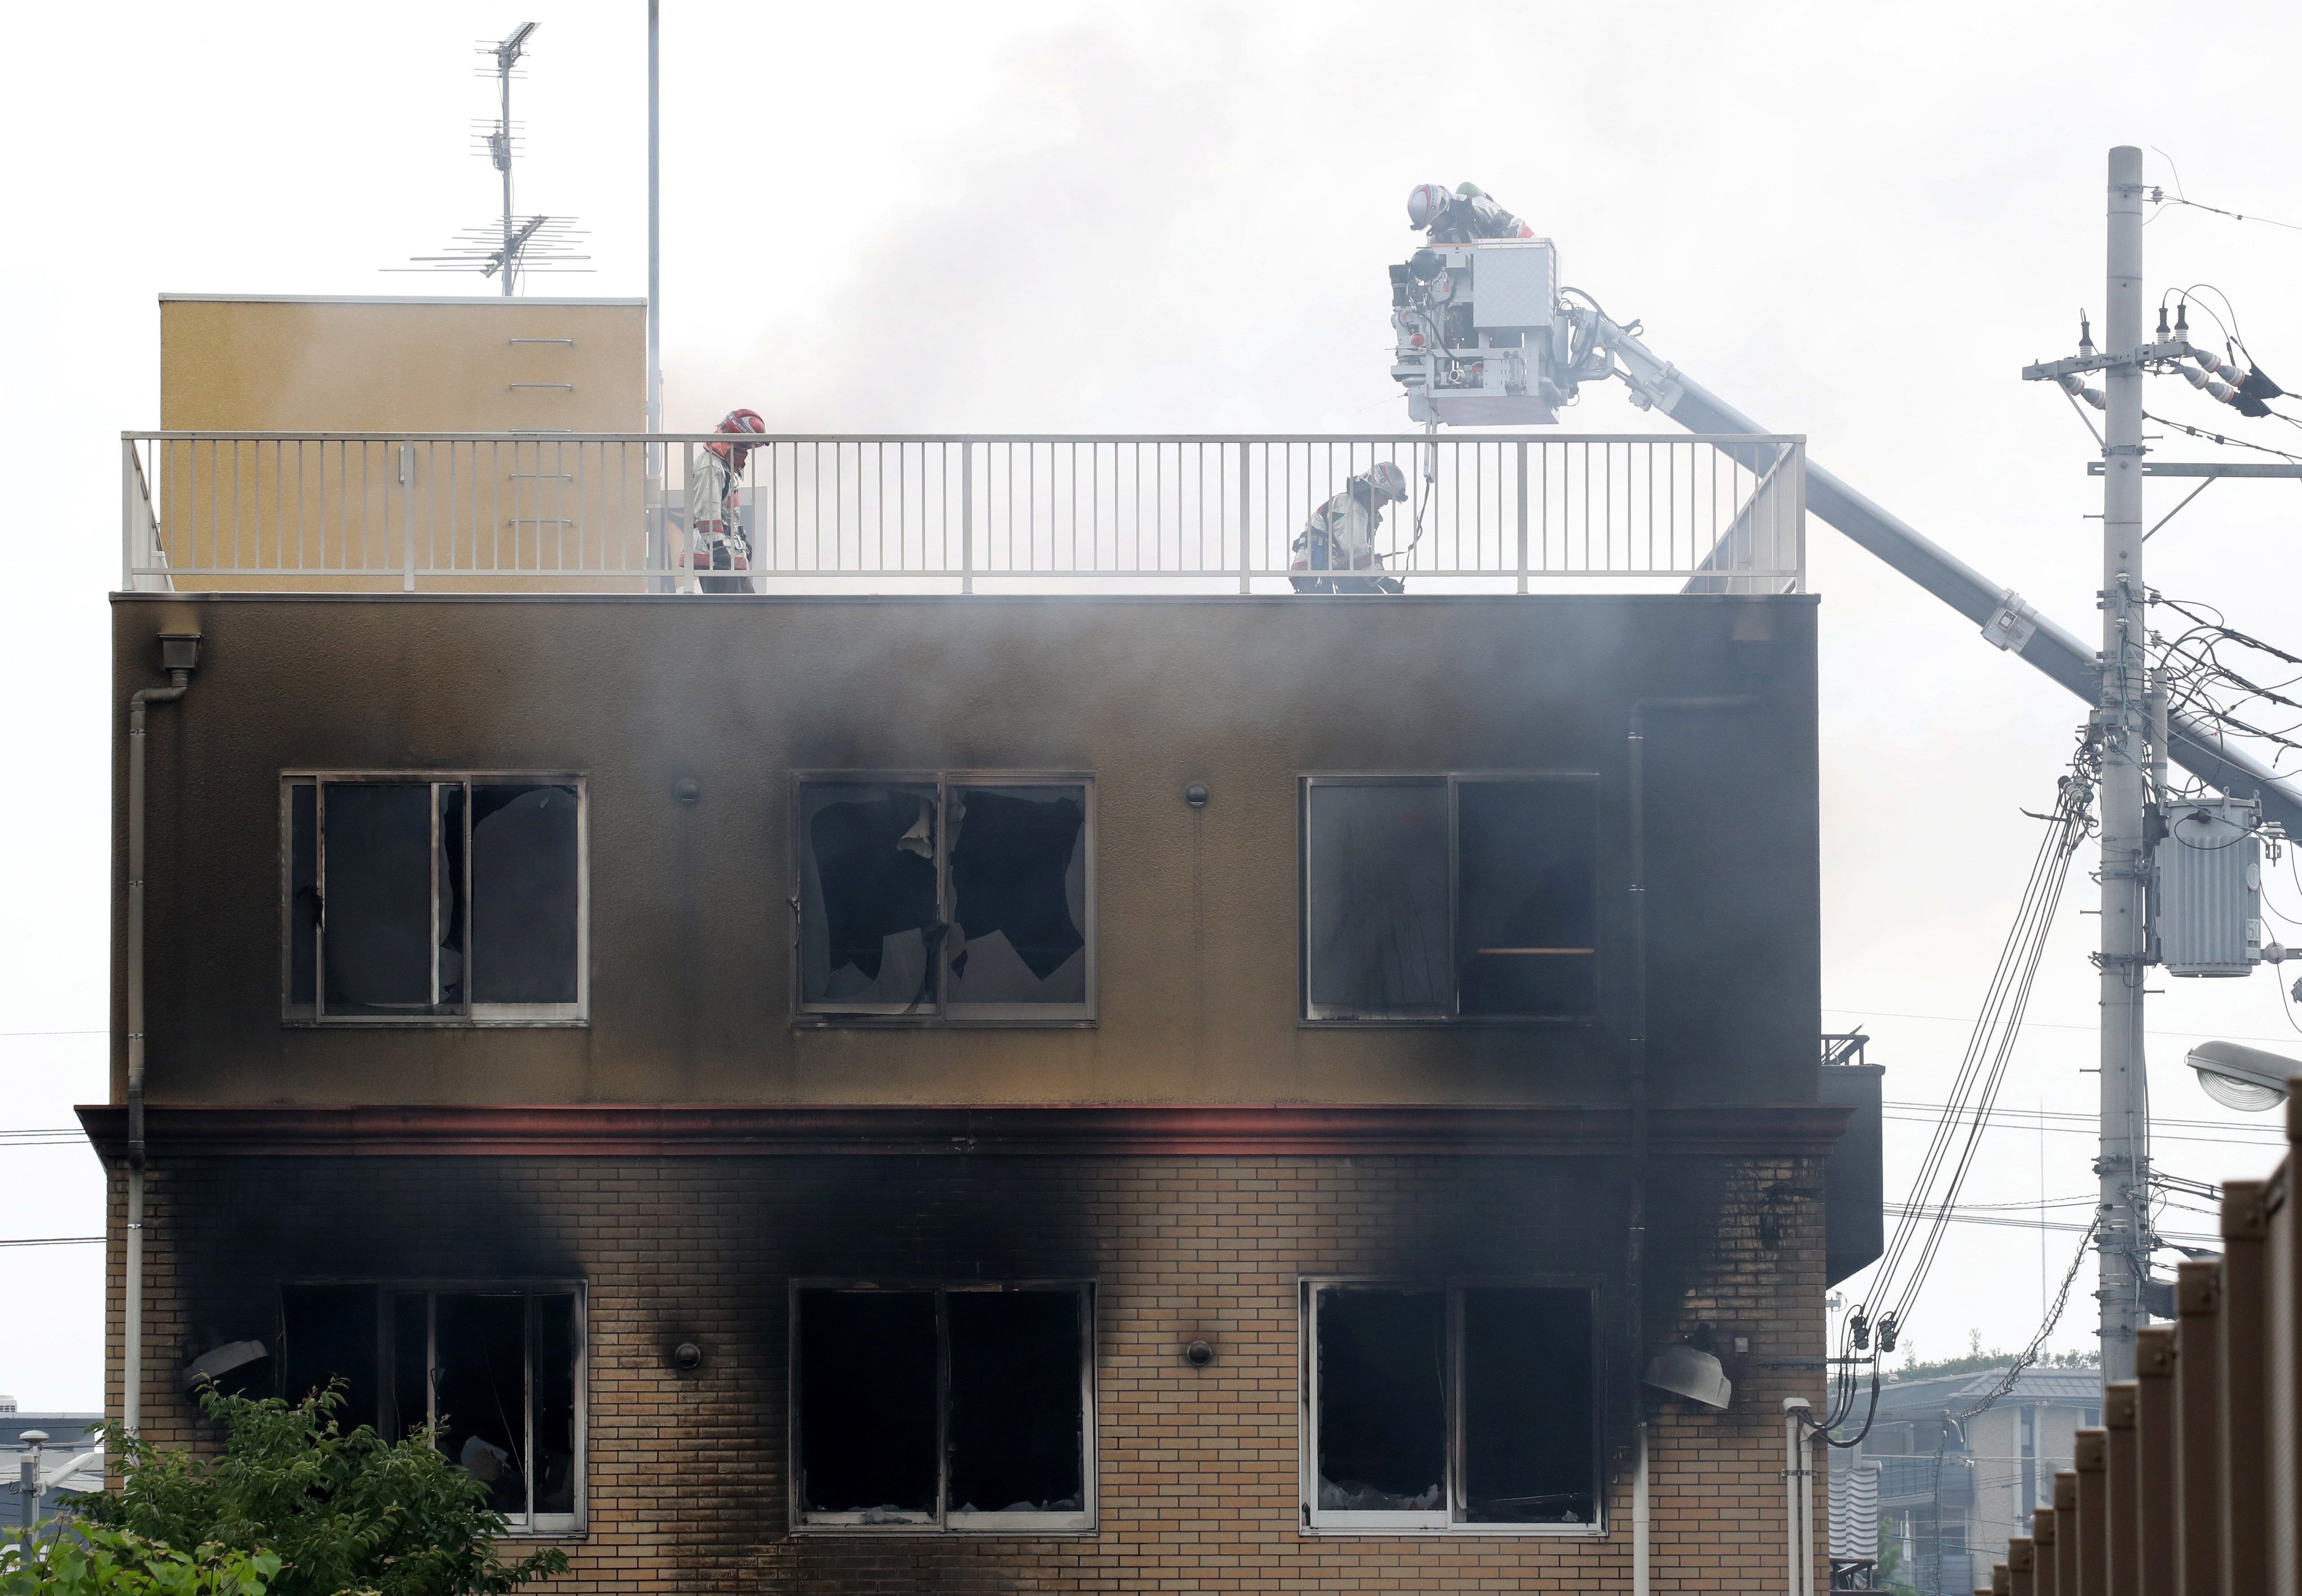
(1199, 1468)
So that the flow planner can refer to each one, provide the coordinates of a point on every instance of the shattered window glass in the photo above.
(958, 1408)
(1018, 895)
(1376, 899)
(1383, 1402)
(1440, 1409)
(434, 898)
(497, 1373)
(868, 899)
(1016, 1408)
(1527, 898)
(945, 899)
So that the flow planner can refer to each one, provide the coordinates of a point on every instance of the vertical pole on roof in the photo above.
(659, 540)
(2122, 719)
(655, 228)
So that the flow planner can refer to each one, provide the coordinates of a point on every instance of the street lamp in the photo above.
(2246, 1079)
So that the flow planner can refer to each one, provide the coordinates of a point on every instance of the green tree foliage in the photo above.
(345, 1511)
(90, 1560)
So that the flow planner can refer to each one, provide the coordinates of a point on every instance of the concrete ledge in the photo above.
(705, 1131)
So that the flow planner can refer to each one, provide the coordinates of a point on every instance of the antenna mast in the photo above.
(506, 54)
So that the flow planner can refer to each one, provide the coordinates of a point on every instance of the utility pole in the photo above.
(2121, 727)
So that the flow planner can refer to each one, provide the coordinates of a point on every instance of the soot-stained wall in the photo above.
(1197, 931)
(1198, 1467)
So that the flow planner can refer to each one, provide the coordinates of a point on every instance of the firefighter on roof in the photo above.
(1339, 536)
(713, 496)
(1465, 217)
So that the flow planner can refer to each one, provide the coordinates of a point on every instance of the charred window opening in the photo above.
(1383, 1402)
(959, 1408)
(1450, 897)
(440, 898)
(1438, 1409)
(944, 898)
(867, 1392)
(496, 1372)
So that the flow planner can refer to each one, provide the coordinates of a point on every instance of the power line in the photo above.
(2047, 1025)
(50, 1240)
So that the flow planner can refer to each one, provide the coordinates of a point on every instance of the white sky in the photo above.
(1855, 222)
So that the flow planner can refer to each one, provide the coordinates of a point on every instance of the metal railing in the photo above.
(609, 511)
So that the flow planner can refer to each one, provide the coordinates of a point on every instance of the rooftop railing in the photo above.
(612, 512)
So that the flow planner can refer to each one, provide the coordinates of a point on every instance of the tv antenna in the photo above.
(520, 244)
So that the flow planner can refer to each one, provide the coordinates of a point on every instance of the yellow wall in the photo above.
(273, 514)
(448, 365)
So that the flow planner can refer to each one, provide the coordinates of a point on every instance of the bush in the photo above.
(343, 1512)
(90, 1560)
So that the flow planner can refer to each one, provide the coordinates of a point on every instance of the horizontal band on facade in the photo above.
(608, 1130)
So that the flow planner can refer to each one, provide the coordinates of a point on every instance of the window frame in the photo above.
(562, 1525)
(945, 1522)
(1311, 1015)
(470, 1014)
(1314, 1520)
(945, 1011)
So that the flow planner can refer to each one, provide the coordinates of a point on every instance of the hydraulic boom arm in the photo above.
(1657, 384)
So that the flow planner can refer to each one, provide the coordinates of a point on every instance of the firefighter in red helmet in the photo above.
(714, 491)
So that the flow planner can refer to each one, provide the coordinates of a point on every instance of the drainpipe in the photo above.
(1634, 1310)
(1798, 1490)
(180, 654)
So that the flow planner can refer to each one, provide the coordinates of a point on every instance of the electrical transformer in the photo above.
(2209, 898)
(1482, 340)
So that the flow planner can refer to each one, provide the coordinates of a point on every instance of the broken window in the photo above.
(456, 898)
(1450, 897)
(959, 1408)
(1437, 1408)
(946, 897)
(496, 1371)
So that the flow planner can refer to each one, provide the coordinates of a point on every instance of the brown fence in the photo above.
(2193, 1484)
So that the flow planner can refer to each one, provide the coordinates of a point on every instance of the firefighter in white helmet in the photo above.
(1335, 553)
(714, 492)
(1465, 216)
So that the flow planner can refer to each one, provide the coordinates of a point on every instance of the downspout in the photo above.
(180, 654)
(1634, 1309)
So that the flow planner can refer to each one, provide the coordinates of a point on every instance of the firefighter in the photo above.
(712, 495)
(1339, 536)
(1465, 217)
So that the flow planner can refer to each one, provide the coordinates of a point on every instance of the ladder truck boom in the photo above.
(1999, 612)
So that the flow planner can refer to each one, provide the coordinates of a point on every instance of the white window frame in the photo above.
(1311, 1013)
(944, 1010)
(945, 1521)
(537, 1527)
(314, 1014)
(1314, 1520)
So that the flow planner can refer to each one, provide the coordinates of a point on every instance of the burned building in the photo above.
(935, 1073)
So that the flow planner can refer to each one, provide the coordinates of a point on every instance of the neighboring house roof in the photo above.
(71, 1437)
(72, 1430)
(1926, 1399)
